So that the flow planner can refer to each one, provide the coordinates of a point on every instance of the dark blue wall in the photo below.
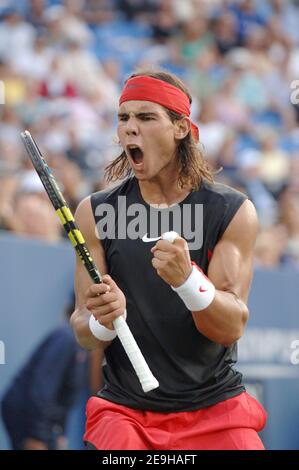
(36, 280)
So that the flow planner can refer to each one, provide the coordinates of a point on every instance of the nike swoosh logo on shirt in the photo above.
(145, 239)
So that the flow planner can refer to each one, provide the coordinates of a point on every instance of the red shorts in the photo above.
(230, 424)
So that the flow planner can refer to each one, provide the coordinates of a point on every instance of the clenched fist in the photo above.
(172, 261)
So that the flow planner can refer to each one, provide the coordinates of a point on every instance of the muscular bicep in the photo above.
(231, 265)
(85, 220)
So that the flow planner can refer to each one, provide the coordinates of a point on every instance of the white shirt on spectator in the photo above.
(15, 40)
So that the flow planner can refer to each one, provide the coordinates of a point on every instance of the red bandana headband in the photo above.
(145, 88)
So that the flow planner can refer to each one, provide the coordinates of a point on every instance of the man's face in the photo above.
(147, 135)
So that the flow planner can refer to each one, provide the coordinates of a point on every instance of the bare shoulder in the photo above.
(231, 265)
(243, 227)
(84, 212)
(85, 219)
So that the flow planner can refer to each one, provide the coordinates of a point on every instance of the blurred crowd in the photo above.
(62, 66)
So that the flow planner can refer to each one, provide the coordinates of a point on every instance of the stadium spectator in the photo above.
(225, 32)
(36, 405)
(97, 12)
(138, 9)
(271, 247)
(15, 34)
(33, 216)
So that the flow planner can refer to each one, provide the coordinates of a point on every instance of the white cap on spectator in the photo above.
(249, 158)
(53, 13)
(31, 183)
(184, 11)
(239, 57)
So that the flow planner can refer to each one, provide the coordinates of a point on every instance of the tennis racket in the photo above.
(146, 378)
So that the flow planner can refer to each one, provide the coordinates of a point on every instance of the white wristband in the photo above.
(197, 292)
(100, 331)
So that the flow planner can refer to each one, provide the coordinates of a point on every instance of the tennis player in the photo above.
(186, 307)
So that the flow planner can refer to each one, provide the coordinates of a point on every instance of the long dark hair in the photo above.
(193, 167)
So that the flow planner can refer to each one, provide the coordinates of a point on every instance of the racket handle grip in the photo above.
(144, 374)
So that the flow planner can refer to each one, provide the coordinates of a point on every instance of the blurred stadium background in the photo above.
(62, 65)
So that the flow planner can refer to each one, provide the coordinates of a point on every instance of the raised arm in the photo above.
(230, 272)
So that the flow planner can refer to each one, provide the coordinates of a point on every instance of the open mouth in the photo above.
(136, 154)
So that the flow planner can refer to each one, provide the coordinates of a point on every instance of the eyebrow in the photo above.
(140, 114)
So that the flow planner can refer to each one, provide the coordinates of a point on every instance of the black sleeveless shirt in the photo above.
(193, 371)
